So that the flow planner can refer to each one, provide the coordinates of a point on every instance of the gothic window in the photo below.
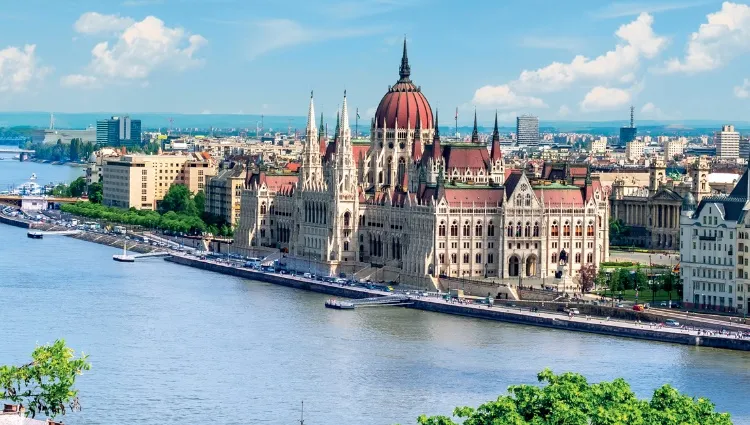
(490, 258)
(519, 200)
(579, 229)
(478, 258)
(554, 257)
(518, 230)
(389, 170)
(346, 245)
(441, 229)
(510, 229)
(578, 257)
(467, 229)
(490, 229)
(527, 230)
(442, 258)
(566, 229)
(401, 170)
(380, 177)
(536, 228)
(263, 208)
(590, 229)
(347, 218)
(528, 200)
(478, 229)
(589, 258)
(454, 258)
(262, 233)
(466, 258)
(555, 229)
(454, 228)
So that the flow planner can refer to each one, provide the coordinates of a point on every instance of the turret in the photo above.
(475, 131)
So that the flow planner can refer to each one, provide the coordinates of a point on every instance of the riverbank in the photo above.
(504, 314)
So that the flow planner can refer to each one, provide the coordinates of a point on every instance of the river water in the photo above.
(175, 345)
(14, 172)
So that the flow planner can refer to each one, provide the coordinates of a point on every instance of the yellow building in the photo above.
(140, 181)
(223, 193)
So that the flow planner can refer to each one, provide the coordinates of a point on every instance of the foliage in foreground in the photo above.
(568, 399)
(46, 385)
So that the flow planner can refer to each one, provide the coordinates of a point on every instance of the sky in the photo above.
(577, 60)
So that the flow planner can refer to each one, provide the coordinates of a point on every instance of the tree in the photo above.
(46, 384)
(671, 282)
(587, 277)
(178, 199)
(96, 193)
(200, 201)
(570, 399)
(640, 279)
(77, 187)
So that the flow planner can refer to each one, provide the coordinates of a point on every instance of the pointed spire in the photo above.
(475, 131)
(416, 146)
(344, 129)
(311, 117)
(436, 151)
(322, 129)
(338, 125)
(404, 71)
(495, 153)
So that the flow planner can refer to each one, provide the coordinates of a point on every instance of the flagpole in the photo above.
(356, 124)
(456, 123)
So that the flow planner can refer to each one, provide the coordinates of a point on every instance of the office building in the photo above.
(223, 192)
(141, 181)
(634, 150)
(118, 131)
(627, 134)
(527, 130)
(674, 148)
(598, 145)
(727, 142)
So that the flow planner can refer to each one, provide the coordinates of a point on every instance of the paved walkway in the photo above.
(645, 258)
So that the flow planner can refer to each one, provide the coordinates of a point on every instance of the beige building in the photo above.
(674, 147)
(96, 162)
(727, 142)
(140, 181)
(634, 150)
(599, 145)
(223, 192)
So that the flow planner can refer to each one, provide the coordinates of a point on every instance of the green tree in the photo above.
(569, 399)
(46, 384)
(641, 280)
(77, 187)
(178, 200)
(96, 193)
(200, 201)
(587, 277)
(670, 282)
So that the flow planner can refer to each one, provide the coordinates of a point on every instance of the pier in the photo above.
(125, 258)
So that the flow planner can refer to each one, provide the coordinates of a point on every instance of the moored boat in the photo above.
(34, 235)
(339, 305)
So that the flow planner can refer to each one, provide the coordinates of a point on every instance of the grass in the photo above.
(644, 296)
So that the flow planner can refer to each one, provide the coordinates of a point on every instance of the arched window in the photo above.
(579, 229)
(346, 245)
(555, 229)
(528, 199)
(478, 229)
(578, 257)
(441, 229)
(262, 233)
(263, 208)
(401, 170)
(519, 200)
(566, 229)
(347, 218)
(513, 266)
(590, 229)
(490, 229)
(510, 229)
(380, 177)
(589, 258)
(554, 257)
(454, 228)
(388, 170)
(467, 229)
(527, 230)
(536, 228)
(518, 230)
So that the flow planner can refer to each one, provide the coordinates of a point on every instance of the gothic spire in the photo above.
(322, 129)
(436, 151)
(495, 153)
(475, 131)
(344, 118)
(338, 125)
(404, 71)
(311, 117)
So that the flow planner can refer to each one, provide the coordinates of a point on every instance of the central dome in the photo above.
(404, 103)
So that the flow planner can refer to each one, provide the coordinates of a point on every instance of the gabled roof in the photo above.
(466, 155)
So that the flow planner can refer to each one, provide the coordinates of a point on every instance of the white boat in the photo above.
(124, 258)
(31, 187)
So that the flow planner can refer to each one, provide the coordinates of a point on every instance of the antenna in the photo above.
(632, 108)
(171, 121)
(302, 414)
(51, 120)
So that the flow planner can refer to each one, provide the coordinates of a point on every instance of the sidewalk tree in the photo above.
(46, 384)
(570, 399)
(77, 187)
(96, 193)
(587, 277)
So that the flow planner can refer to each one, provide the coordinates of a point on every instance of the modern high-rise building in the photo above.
(118, 131)
(634, 150)
(627, 134)
(727, 142)
(527, 130)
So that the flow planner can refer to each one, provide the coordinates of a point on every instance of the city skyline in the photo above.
(583, 63)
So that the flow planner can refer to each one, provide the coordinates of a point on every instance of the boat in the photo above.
(339, 305)
(124, 258)
(34, 235)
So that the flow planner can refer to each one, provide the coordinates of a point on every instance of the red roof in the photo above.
(293, 166)
(465, 156)
(564, 197)
(359, 152)
(403, 103)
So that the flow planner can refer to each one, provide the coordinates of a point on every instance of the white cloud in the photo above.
(96, 23)
(503, 97)
(619, 9)
(564, 111)
(725, 35)
(603, 98)
(139, 49)
(18, 67)
(743, 91)
(637, 41)
(79, 80)
(274, 34)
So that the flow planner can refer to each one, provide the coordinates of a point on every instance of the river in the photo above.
(14, 172)
(175, 345)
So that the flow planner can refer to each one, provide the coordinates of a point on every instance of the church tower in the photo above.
(497, 166)
(656, 173)
(436, 162)
(311, 175)
(699, 174)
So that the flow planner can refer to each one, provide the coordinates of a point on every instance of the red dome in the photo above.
(404, 103)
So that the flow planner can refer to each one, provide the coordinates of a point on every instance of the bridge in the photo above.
(17, 199)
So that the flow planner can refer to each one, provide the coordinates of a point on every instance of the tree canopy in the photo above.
(46, 384)
(568, 399)
(179, 200)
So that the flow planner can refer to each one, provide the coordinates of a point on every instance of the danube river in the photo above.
(175, 345)
(14, 172)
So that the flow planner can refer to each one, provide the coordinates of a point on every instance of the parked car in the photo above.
(663, 304)
(638, 307)
(673, 323)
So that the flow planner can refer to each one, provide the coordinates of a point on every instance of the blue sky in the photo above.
(572, 60)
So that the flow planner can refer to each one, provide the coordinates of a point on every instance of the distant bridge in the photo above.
(16, 199)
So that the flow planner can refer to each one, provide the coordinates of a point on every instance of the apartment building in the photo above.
(141, 181)
(727, 142)
(674, 147)
(634, 150)
(223, 192)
